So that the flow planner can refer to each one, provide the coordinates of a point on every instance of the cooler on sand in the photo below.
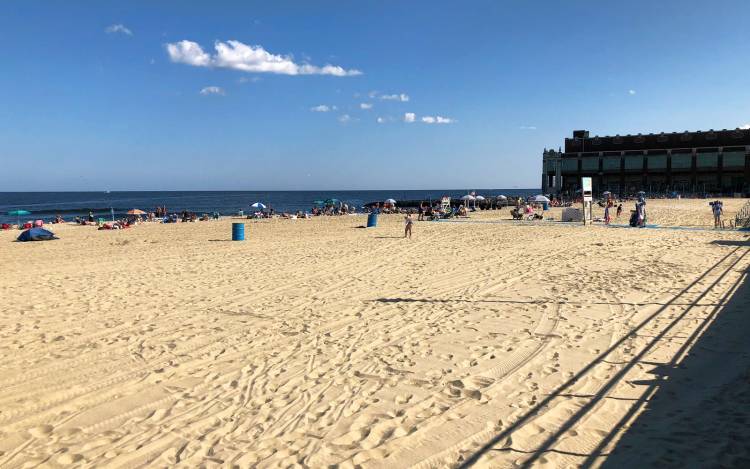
(238, 231)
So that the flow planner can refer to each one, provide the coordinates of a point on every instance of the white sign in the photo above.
(586, 184)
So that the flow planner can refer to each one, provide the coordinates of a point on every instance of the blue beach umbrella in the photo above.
(258, 206)
(18, 214)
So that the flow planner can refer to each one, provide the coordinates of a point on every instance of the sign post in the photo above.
(588, 199)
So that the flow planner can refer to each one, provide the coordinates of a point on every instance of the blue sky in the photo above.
(153, 95)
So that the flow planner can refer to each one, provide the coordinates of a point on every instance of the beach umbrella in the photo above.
(332, 201)
(540, 198)
(18, 214)
(502, 197)
(135, 211)
(258, 206)
(467, 197)
(479, 197)
(606, 193)
(390, 201)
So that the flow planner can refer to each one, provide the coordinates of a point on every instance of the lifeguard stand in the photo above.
(445, 203)
(588, 200)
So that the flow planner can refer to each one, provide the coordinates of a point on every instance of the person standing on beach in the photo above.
(420, 217)
(718, 210)
(408, 224)
(619, 210)
(607, 214)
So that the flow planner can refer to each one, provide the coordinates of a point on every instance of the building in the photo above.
(688, 162)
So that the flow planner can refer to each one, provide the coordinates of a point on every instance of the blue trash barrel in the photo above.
(545, 205)
(372, 220)
(238, 231)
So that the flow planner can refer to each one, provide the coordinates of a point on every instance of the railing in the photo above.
(742, 220)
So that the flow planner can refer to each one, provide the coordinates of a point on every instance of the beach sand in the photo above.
(316, 343)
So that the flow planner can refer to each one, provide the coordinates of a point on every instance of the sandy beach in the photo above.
(316, 343)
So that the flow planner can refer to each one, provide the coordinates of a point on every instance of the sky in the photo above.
(327, 95)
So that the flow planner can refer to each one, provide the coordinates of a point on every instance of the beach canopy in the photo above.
(390, 201)
(36, 234)
(18, 214)
(540, 198)
(467, 197)
(258, 205)
(136, 211)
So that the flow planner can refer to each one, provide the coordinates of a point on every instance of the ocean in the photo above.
(45, 205)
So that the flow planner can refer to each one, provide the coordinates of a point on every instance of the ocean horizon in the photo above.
(69, 204)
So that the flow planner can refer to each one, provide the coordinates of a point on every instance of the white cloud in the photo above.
(247, 58)
(372, 94)
(323, 108)
(345, 118)
(409, 117)
(395, 97)
(212, 90)
(118, 28)
(437, 120)
(365, 106)
(380, 120)
(745, 127)
(527, 127)
(631, 92)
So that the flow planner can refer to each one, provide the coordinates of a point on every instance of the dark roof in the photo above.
(709, 138)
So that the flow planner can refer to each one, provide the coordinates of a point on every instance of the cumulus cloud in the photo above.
(395, 97)
(410, 117)
(248, 58)
(212, 90)
(344, 118)
(380, 120)
(323, 108)
(118, 28)
(437, 120)
(745, 127)
(365, 106)
(527, 127)
(631, 92)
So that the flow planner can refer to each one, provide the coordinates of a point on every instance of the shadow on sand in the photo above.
(722, 331)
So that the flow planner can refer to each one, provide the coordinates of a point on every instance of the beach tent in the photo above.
(258, 206)
(36, 234)
(18, 214)
(135, 211)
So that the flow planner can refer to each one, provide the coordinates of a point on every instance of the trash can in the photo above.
(238, 231)
(372, 220)
(545, 205)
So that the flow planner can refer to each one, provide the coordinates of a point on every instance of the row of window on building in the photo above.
(730, 160)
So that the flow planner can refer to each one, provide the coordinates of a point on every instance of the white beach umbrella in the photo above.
(541, 199)
(390, 201)
(467, 197)
(258, 205)
(479, 197)
(502, 197)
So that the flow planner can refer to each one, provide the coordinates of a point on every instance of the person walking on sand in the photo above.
(619, 210)
(607, 214)
(408, 224)
(717, 209)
